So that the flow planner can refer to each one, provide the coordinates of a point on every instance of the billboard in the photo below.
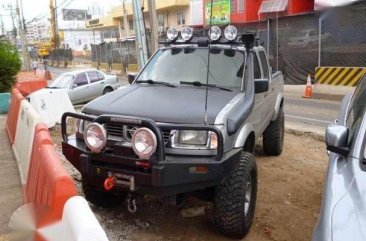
(220, 12)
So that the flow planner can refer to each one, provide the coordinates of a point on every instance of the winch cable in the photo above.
(208, 65)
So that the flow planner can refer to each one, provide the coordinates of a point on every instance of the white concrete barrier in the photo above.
(78, 224)
(51, 104)
(27, 120)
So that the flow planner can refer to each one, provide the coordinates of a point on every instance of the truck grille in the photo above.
(120, 132)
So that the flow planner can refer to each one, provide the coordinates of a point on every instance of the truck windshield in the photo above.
(190, 64)
(62, 81)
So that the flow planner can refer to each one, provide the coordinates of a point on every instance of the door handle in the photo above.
(102, 82)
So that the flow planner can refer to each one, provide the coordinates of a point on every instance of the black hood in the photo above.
(184, 104)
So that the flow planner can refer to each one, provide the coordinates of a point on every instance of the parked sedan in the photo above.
(85, 85)
(343, 214)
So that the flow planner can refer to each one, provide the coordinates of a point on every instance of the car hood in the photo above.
(184, 104)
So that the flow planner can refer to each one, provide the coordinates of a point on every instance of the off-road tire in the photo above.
(103, 198)
(274, 134)
(229, 215)
(107, 90)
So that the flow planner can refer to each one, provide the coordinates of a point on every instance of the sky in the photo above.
(39, 8)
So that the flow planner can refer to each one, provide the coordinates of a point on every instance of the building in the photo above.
(170, 13)
(72, 29)
(37, 31)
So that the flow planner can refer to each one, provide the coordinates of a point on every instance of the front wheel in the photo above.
(107, 90)
(235, 198)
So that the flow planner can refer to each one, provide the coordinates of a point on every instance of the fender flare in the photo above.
(279, 99)
(243, 135)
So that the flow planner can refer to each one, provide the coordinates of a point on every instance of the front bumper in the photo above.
(167, 174)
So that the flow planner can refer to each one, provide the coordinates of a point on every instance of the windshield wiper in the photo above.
(197, 83)
(155, 82)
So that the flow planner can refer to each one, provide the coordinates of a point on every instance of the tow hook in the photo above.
(131, 203)
(109, 183)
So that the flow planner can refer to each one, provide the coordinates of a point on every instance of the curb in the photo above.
(314, 135)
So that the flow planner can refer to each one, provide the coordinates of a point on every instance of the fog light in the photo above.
(144, 143)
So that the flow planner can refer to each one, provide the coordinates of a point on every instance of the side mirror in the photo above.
(131, 78)
(336, 138)
(261, 85)
(73, 86)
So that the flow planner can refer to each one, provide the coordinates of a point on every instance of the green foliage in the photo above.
(10, 65)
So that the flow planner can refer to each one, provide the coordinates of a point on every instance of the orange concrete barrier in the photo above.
(28, 82)
(48, 185)
(13, 114)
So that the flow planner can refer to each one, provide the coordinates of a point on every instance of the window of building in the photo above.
(181, 18)
(232, 6)
(241, 6)
(130, 23)
(161, 20)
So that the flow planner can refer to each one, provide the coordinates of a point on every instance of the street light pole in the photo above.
(153, 25)
(22, 38)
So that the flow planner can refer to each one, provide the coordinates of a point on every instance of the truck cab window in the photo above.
(263, 58)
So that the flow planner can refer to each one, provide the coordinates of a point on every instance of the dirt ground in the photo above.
(289, 197)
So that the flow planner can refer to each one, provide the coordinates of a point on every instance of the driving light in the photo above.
(172, 34)
(214, 33)
(230, 33)
(144, 143)
(187, 34)
(191, 137)
(95, 137)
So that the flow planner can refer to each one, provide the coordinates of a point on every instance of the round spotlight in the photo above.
(230, 33)
(214, 33)
(187, 33)
(95, 137)
(172, 34)
(144, 143)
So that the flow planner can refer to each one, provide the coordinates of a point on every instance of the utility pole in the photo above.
(2, 25)
(153, 25)
(14, 30)
(141, 45)
(126, 25)
(22, 39)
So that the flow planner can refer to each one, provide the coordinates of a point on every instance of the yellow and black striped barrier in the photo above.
(133, 68)
(342, 76)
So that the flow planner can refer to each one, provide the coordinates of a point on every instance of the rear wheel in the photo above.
(102, 198)
(273, 136)
(107, 90)
(235, 198)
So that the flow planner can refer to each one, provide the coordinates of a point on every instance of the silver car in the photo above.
(85, 85)
(343, 214)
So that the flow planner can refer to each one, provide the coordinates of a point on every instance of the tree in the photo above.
(10, 65)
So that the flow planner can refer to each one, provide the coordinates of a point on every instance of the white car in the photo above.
(85, 85)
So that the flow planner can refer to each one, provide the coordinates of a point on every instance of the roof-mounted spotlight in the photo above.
(230, 33)
(172, 34)
(187, 34)
(214, 33)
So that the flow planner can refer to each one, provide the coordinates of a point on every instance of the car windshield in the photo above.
(62, 81)
(189, 64)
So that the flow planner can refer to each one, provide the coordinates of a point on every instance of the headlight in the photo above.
(192, 139)
(187, 33)
(230, 33)
(214, 33)
(95, 137)
(144, 143)
(82, 124)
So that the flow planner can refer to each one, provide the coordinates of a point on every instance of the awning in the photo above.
(273, 6)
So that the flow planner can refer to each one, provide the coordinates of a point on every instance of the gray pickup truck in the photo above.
(187, 125)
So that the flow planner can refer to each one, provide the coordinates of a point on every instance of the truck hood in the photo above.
(184, 104)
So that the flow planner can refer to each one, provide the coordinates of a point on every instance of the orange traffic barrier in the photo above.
(13, 114)
(28, 82)
(48, 186)
(47, 75)
(308, 88)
